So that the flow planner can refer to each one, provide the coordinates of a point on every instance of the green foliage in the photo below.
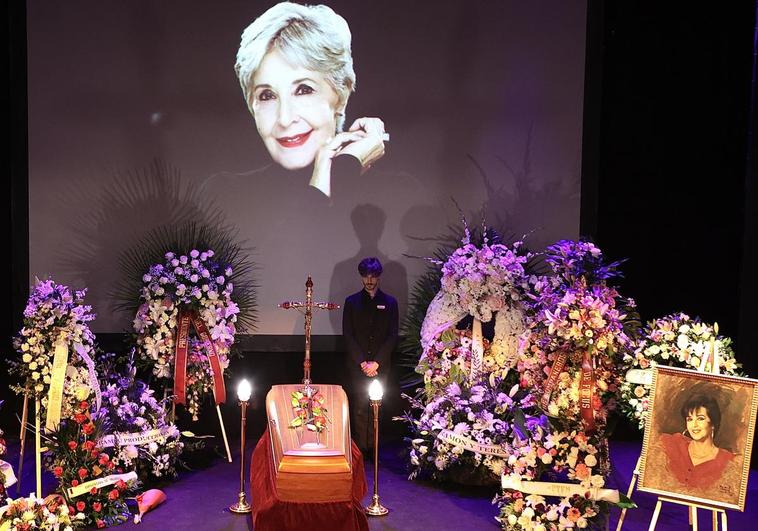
(181, 238)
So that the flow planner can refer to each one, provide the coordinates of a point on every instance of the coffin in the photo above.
(310, 467)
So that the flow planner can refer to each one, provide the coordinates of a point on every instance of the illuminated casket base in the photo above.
(310, 467)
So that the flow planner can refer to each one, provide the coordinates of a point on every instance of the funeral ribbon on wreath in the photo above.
(586, 387)
(58, 377)
(477, 352)
(184, 321)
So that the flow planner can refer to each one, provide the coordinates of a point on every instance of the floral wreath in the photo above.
(569, 359)
(676, 340)
(482, 281)
(464, 373)
(188, 290)
(523, 421)
(140, 433)
(54, 316)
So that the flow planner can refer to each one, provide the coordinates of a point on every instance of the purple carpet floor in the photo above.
(198, 500)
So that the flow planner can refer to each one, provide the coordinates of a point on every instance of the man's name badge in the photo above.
(380, 307)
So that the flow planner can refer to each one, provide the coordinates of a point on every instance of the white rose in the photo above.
(590, 460)
(512, 519)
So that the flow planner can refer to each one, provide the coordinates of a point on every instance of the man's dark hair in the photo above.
(370, 266)
(710, 404)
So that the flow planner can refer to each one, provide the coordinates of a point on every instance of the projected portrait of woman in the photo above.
(692, 456)
(295, 68)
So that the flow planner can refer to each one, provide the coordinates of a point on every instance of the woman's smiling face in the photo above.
(295, 110)
(699, 424)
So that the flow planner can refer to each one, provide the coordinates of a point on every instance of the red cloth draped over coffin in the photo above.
(300, 480)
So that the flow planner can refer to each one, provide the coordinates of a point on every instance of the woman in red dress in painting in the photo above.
(693, 458)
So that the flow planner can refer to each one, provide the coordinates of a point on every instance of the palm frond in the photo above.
(181, 238)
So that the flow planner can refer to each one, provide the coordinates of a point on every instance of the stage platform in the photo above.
(199, 499)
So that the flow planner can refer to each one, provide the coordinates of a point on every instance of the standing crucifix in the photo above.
(306, 308)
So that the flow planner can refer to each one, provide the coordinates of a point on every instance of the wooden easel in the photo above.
(635, 477)
(693, 507)
(38, 448)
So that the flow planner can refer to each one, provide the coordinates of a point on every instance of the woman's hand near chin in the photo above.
(364, 141)
(370, 147)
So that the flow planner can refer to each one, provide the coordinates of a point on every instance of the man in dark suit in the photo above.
(369, 326)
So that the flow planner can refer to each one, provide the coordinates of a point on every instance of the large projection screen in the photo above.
(482, 101)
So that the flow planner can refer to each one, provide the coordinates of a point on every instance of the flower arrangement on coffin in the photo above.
(32, 513)
(569, 360)
(55, 323)
(88, 479)
(676, 340)
(195, 287)
(141, 436)
(309, 410)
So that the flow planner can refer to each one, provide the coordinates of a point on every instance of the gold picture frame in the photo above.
(699, 437)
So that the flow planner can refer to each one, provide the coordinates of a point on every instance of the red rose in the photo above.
(80, 506)
(93, 491)
(100, 524)
(113, 495)
(80, 418)
(74, 482)
(88, 445)
(94, 453)
(110, 465)
(72, 445)
(83, 473)
(121, 484)
(97, 507)
(83, 405)
(58, 471)
(103, 459)
(71, 510)
(88, 428)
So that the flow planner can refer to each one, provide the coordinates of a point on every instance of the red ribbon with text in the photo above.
(180, 363)
(219, 390)
(552, 379)
(587, 393)
(180, 359)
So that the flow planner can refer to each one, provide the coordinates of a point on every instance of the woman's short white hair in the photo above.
(314, 37)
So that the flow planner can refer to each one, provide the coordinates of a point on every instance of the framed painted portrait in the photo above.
(699, 437)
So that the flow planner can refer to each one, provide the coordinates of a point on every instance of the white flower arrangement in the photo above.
(196, 282)
(676, 340)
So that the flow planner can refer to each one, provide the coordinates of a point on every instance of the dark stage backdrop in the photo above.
(482, 99)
